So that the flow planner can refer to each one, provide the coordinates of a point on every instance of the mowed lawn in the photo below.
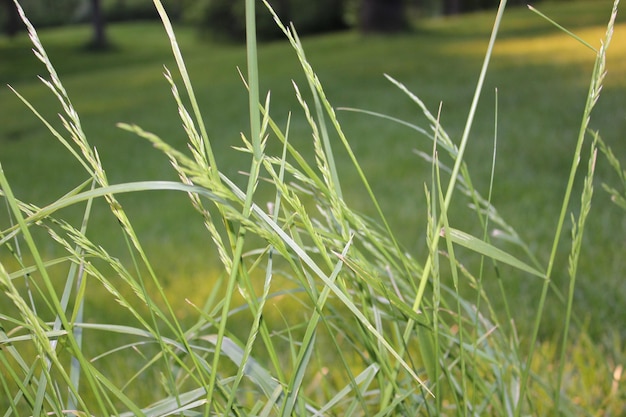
(541, 76)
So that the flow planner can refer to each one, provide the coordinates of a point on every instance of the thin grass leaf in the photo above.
(253, 79)
(563, 29)
(48, 334)
(486, 249)
(460, 403)
(295, 383)
(255, 132)
(447, 146)
(272, 401)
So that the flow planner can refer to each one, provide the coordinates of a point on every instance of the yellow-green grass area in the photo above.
(541, 76)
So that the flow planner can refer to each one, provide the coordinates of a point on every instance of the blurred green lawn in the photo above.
(541, 76)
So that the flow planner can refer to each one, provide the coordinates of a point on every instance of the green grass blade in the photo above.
(486, 249)
(579, 39)
(461, 406)
(255, 132)
(253, 79)
(295, 383)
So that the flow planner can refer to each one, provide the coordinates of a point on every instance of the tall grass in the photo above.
(319, 310)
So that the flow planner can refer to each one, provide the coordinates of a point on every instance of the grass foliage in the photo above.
(317, 309)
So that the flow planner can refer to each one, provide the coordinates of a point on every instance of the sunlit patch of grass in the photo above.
(557, 49)
(593, 378)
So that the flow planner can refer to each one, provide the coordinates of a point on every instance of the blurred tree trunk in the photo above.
(99, 40)
(383, 16)
(13, 18)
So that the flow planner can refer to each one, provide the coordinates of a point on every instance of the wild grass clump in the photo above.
(319, 310)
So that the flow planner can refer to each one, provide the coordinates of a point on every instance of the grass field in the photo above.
(541, 76)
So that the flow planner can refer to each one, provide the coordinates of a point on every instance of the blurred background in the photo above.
(224, 18)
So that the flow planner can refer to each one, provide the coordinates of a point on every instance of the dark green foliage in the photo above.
(46, 13)
(450, 7)
(126, 10)
(43, 12)
(225, 18)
